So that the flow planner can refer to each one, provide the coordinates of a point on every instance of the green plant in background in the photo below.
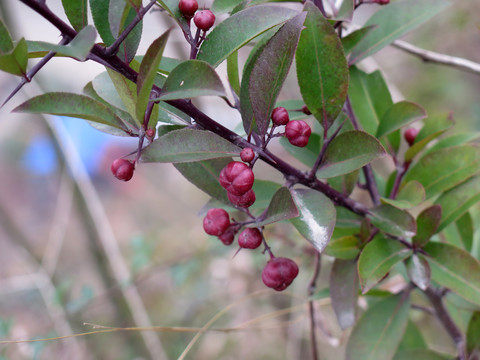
(381, 187)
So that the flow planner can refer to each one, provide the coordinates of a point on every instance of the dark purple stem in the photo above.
(311, 309)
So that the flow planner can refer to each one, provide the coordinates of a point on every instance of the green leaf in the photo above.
(370, 98)
(237, 30)
(345, 247)
(352, 39)
(349, 151)
(190, 79)
(380, 329)
(466, 230)
(376, 260)
(67, 104)
(399, 115)
(6, 43)
(171, 6)
(16, 61)
(412, 338)
(420, 354)
(282, 207)
(427, 224)
(147, 72)
(270, 70)
(344, 183)
(232, 73)
(188, 145)
(393, 221)
(419, 271)
(443, 169)
(322, 69)
(455, 269)
(454, 140)
(473, 334)
(410, 195)
(345, 12)
(127, 92)
(344, 291)
(264, 191)
(76, 11)
(392, 22)
(317, 217)
(170, 115)
(224, 6)
(120, 15)
(100, 10)
(307, 155)
(458, 200)
(205, 176)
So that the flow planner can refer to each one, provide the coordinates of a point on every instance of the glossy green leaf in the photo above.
(344, 291)
(190, 79)
(188, 145)
(6, 43)
(453, 140)
(239, 29)
(443, 169)
(410, 195)
(473, 334)
(392, 22)
(16, 61)
(345, 12)
(120, 15)
(224, 6)
(393, 221)
(317, 217)
(170, 115)
(346, 247)
(126, 90)
(349, 151)
(205, 176)
(344, 183)
(270, 70)
(455, 269)
(171, 6)
(399, 115)
(352, 39)
(379, 331)
(412, 338)
(281, 207)
(147, 72)
(322, 70)
(67, 104)
(104, 88)
(370, 98)
(307, 155)
(466, 230)
(100, 10)
(418, 271)
(76, 11)
(376, 260)
(420, 354)
(232, 73)
(264, 191)
(458, 200)
(427, 224)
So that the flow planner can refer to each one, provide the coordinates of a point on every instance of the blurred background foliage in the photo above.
(55, 274)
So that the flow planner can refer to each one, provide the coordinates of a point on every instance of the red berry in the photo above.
(305, 110)
(216, 222)
(279, 273)
(123, 169)
(250, 238)
(247, 155)
(382, 2)
(280, 116)
(237, 178)
(188, 7)
(150, 133)
(409, 135)
(204, 19)
(227, 237)
(244, 201)
(298, 132)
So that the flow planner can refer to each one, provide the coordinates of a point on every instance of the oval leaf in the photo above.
(376, 260)
(399, 115)
(410, 195)
(322, 70)
(6, 43)
(345, 247)
(281, 207)
(427, 224)
(188, 145)
(16, 61)
(380, 329)
(344, 291)
(317, 217)
(393, 221)
(76, 12)
(349, 151)
(418, 271)
(190, 79)
(239, 29)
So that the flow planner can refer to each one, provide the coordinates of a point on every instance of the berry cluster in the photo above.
(237, 178)
(203, 19)
(297, 132)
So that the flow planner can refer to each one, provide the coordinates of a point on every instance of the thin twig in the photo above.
(311, 309)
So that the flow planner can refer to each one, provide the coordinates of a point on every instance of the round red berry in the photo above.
(204, 19)
(237, 178)
(250, 238)
(409, 135)
(279, 273)
(280, 116)
(305, 110)
(244, 201)
(227, 237)
(188, 7)
(382, 2)
(123, 169)
(216, 222)
(298, 132)
(247, 155)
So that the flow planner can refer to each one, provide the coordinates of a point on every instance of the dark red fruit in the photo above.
(247, 155)
(298, 132)
(188, 7)
(227, 237)
(244, 201)
(237, 178)
(123, 169)
(280, 116)
(279, 273)
(250, 238)
(216, 222)
(305, 110)
(204, 19)
(382, 2)
(409, 135)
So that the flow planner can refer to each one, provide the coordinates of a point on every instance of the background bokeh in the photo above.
(64, 221)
